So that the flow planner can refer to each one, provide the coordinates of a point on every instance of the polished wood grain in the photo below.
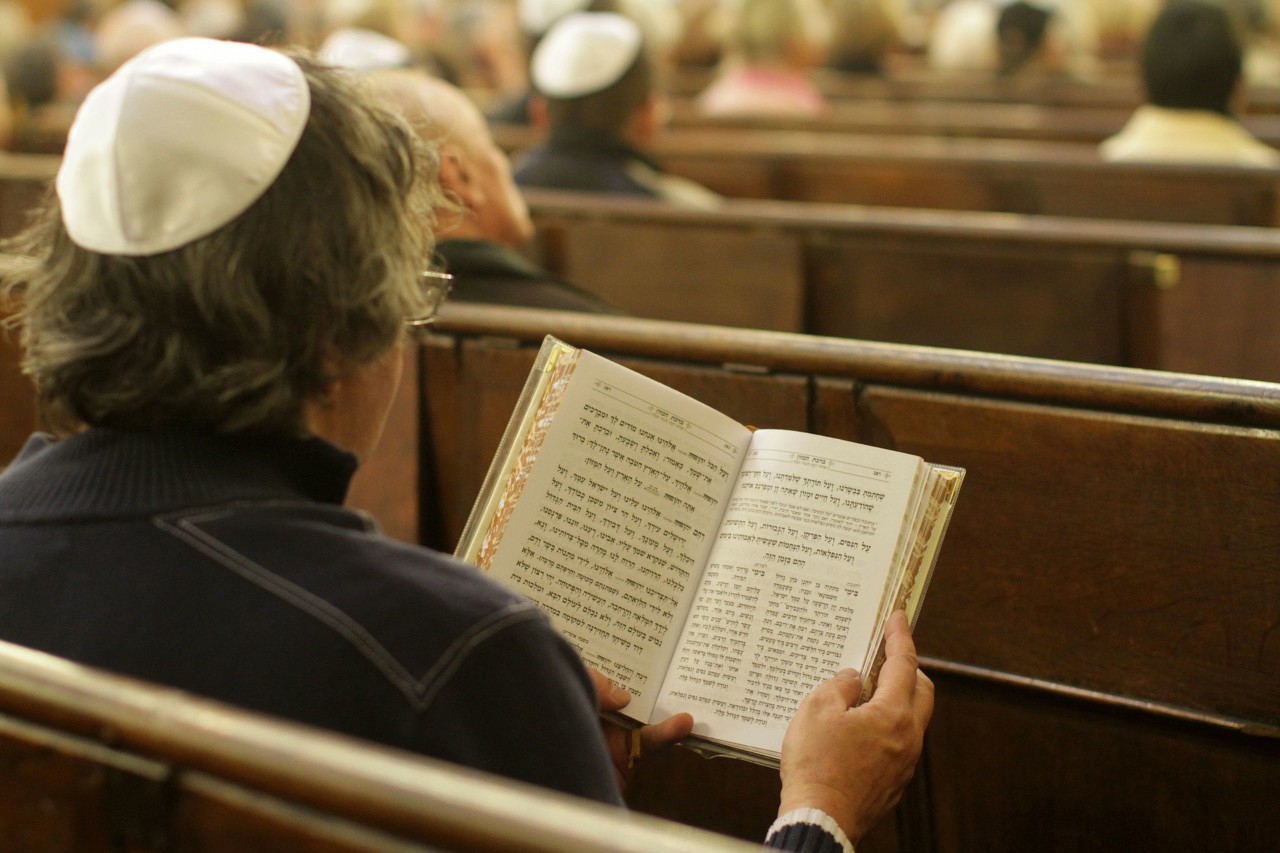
(1190, 299)
(933, 170)
(97, 762)
(1103, 612)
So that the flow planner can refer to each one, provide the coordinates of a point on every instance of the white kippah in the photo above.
(364, 50)
(537, 16)
(181, 140)
(584, 53)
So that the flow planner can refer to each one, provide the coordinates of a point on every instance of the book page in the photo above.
(793, 584)
(617, 516)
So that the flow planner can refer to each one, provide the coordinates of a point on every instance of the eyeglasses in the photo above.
(435, 287)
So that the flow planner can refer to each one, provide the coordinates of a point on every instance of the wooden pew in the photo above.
(24, 179)
(1121, 89)
(1192, 299)
(17, 400)
(98, 762)
(1100, 624)
(17, 394)
(1086, 125)
(956, 174)
(953, 174)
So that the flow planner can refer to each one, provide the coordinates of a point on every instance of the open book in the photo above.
(703, 565)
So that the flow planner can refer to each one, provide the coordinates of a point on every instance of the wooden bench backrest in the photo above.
(1084, 124)
(17, 394)
(96, 762)
(1110, 570)
(24, 180)
(1117, 88)
(955, 174)
(1194, 299)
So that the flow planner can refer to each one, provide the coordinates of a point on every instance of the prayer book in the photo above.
(703, 565)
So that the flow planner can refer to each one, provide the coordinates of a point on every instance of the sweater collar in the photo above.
(112, 472)
(482, 257)
(602, 143)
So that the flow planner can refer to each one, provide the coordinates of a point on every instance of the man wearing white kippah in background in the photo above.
(597, 102)
(534, 18)
(214, 308)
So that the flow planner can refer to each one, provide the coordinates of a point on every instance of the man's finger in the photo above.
(611, 696)
(661, 735)
(840, 691)
(898, 675)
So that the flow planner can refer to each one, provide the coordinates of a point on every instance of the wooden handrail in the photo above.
(836, 219)
(1211, 399)
(412, 798)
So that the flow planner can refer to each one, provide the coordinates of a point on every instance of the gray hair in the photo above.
(237, 330)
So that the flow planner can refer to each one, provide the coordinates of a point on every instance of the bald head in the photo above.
(439, 111)
(473, 169)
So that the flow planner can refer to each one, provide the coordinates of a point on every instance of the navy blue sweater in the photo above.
(227, 567)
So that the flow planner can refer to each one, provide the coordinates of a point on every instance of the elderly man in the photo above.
(480, 241)
(213, 311)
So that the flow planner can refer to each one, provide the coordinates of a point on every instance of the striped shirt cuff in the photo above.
(806, 830)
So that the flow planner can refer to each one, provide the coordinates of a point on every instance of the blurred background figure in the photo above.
(1025, 41)
(1118, 25)
(490, 49)
(962, 39)
(535, 18)
(265, 22)
(771, 48)
(375, 35)
(699, 39)
(1192, 66)
(1014, 38)
(47, 70)
(479, 242)
(15, 28)
(130, 28)
(363, 49)
(6, 115)
(863, 32)
(1261, 40)
(217, 19)
(598, 105)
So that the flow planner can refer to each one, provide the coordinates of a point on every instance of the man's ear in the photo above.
(453, 168)
(456, 175)
(647, 121)
(538, 116)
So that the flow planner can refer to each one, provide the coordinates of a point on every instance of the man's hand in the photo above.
(854, 762)
(626, 745)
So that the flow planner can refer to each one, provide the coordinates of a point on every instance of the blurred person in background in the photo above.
(1118, 26)
(863, 32)
(126, 30)
(771, 48)
(962, 38)
(599, 107)
(479, 241)
(47, 76)
(1192, 65)
(535, 18)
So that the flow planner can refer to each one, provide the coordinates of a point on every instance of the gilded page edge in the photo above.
(923, 556)
(555, 361)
